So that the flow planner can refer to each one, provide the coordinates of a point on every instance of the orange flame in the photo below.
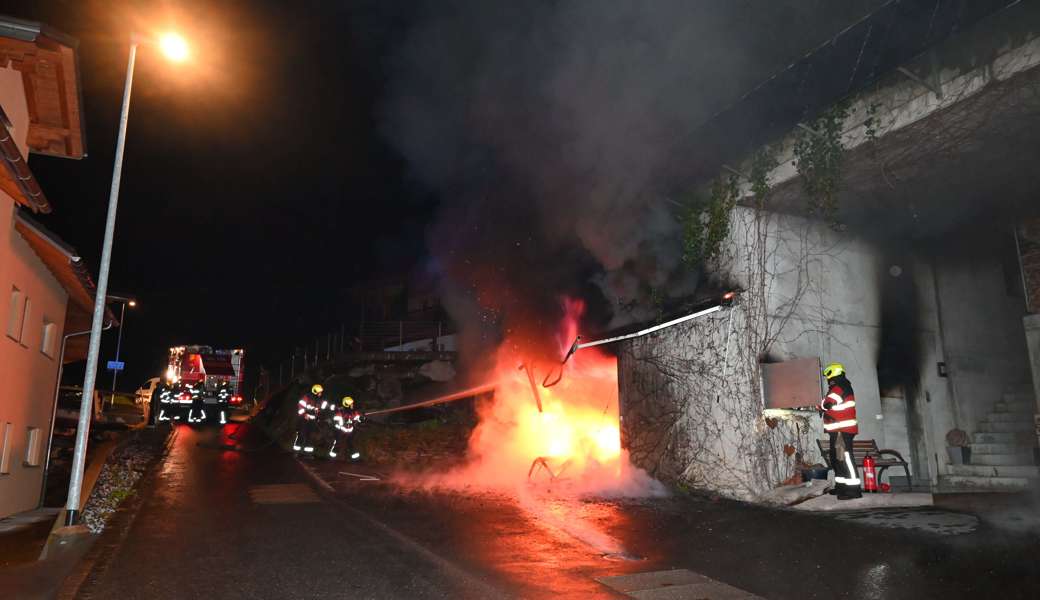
(576, 433)
(573, 441)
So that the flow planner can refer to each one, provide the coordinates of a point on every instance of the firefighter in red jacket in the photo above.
(839, 421)
(308, 409)
(344, 420)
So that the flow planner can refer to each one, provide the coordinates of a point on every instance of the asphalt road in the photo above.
(206, 528)
(211, 526)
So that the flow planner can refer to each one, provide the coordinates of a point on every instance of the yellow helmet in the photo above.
(348, 402)
(833, 370)
(317, 389)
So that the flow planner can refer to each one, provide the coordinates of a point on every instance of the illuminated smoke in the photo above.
(572, 446)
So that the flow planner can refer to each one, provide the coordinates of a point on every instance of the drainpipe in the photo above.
(54, 408)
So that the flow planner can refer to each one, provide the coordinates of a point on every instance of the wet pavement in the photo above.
(548, 546)
(219, 523)
(201, 533)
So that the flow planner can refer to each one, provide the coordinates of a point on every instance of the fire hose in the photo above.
(578, 345)
(727, 298)
(473, 391)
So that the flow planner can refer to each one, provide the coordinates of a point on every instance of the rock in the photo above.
(361, 371)
(438, 370)
(793, 494)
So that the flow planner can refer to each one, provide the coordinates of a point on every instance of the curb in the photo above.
(95, 560)
(90, 478)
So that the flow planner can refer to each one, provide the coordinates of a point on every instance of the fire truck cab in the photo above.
(201, 385)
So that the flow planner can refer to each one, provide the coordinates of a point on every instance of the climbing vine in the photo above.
(871, 124)
(762, 163)
(706, 221)
(819, 157)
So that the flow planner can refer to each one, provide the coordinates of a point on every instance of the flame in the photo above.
(579, 418)
(573, 444)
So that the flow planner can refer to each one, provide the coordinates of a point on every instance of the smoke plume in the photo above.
(544, 127)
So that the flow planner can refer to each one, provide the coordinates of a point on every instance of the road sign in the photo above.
(116, 365)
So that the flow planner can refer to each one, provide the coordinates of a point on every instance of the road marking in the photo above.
(361, 476)
(675, 584)
(283, 493)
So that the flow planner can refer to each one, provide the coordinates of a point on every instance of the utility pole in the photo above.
(82, 430)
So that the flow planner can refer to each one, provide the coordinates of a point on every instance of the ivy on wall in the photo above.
(705, 221)
(819, 158)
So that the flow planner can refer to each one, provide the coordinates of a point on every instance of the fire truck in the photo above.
(202, 385)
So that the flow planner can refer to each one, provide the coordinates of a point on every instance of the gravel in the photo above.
(117, 480)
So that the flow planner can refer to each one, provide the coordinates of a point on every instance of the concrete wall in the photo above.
(691, 413)
(983, 339)
(28, 375)
(690, 399)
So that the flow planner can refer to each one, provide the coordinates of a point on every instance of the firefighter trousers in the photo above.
(846, 478)
(304, 441)
(344, 443)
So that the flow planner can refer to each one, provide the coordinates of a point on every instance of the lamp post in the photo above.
(176, 49)
(119, 340)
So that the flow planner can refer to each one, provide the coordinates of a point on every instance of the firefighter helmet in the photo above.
(317, 389)
(348, 402)
(833, 370)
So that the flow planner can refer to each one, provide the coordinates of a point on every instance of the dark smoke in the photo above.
(543, 126)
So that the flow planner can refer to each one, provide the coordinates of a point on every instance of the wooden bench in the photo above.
(861, 448)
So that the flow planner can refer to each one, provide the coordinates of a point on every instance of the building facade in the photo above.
(44, 288)
(921, 280)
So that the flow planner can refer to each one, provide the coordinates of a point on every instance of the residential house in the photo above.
(45, 289)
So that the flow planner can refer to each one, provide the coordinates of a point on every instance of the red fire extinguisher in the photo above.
(870, 482)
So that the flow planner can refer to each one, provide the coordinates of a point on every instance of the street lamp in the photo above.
(176, 49)
(173, 46)
(119, 340)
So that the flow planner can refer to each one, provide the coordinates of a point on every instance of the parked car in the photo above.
(69, 398)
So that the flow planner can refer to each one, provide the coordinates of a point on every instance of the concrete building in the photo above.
(923, 280)
(45, 290)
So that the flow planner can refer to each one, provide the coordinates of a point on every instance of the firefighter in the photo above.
(307, 410)
(839, 421)
(344, 420)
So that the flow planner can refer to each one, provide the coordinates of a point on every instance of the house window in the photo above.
(5, 450)
(16, 314)
(48, 337)
(26, 312)
(32, 448)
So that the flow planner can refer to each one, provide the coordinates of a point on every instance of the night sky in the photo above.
(309, 146)
(255, 186)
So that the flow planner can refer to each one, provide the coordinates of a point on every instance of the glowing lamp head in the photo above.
(174, 47)
(132, 303)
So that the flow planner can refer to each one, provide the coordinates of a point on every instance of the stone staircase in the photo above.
(1001, 450)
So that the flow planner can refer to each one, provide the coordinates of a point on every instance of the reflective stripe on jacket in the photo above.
(839, 410)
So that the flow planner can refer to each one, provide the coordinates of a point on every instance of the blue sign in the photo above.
(116, 365)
